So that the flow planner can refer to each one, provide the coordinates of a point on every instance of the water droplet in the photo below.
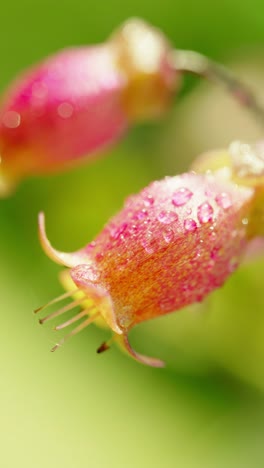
(223, 200)
(245, 221)
(65, 110)
(212, 235)
(142, 214)
(39, 90)
(205, 212)
(86, 273)
(168, 234)
(148, 243)
(90, 246)
(117, 232)
(190, 224)
(148, 200)
(181, 196)
(167, 217)
(11, 119)
(133, 229)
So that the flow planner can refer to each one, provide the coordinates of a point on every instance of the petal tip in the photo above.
(62, 258)
(122, 340)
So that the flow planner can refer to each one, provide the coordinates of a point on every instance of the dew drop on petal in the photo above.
(223, 200)
(181, 196)
(148, 243)
(11, 119)
(117, 232)
(212, 235)
(167, 217)
(190, 224)
(142, 214)
(245, 221)
(86, 273)
(168, 234)
(133, 229)
(65, 110)
(205, 212)
(148, 200)
(39, 90)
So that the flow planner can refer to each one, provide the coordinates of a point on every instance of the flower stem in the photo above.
(198, 64)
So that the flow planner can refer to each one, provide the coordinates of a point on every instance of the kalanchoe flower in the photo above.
(170, 246)
(81, 99)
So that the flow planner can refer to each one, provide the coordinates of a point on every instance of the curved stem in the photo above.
(198, 64)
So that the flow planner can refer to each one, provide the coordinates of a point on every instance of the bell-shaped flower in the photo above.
(170, 246)
(75, 102)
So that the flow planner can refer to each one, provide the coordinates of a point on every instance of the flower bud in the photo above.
(170, 246)
(144, 56)
(77, 101)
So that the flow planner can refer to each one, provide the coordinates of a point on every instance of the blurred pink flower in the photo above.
(77, 101)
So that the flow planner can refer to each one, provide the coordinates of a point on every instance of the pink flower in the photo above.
(77, 101)
(170, 246)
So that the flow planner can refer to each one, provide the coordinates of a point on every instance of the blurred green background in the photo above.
(75, 408)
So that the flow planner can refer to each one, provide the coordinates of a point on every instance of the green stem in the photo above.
(198, 64)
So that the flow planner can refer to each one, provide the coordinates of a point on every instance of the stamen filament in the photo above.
(57, 299)
(72, 320)
(75, 331)
(62, 310)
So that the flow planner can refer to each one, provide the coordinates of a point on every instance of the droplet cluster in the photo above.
(180, 238)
